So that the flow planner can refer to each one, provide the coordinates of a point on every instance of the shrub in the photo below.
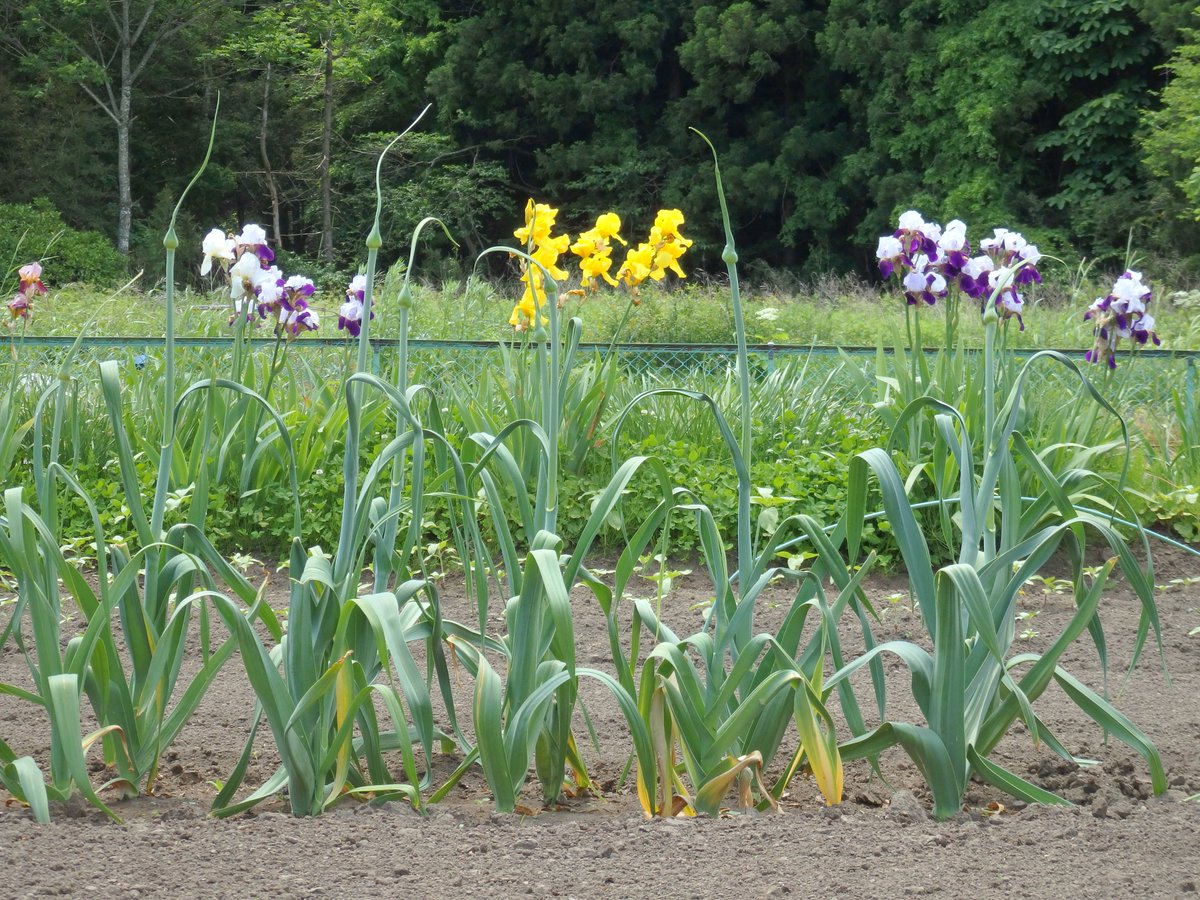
(36, 231)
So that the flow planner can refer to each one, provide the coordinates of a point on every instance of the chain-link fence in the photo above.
(1147, 380)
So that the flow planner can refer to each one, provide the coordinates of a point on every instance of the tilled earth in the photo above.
(1117, 840)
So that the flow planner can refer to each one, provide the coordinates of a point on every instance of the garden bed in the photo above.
(881, 840)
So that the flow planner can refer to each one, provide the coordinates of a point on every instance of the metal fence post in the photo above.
(1189, 382)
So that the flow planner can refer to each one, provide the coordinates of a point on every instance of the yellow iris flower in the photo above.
(668, 221)
(607, 225)
(595, 252)
(652, 258)
(539, 220)
(545, 251)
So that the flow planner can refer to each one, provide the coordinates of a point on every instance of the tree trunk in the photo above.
(266, 160)
(124, 125)
(326, 253)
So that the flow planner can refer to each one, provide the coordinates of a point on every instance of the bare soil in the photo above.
(1117, 840)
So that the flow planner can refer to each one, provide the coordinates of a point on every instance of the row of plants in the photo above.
(789, 408)
(812, 415)
(827, 311)
(726, 716)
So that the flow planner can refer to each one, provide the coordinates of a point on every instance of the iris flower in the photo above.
(297, 289)
(254, 239)
(351, 312)
(595, 251)
(18, 307)
(544, 248)
(31, 279)
(244, 276)
(890, 253)
(539, 220)
(1121, 314)
(219, 249)
(300, 319)
(659, 254)
(924, 282)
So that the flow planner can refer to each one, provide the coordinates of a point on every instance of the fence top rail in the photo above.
(768, 349)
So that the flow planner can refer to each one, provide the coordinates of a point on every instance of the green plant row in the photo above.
(762, 473)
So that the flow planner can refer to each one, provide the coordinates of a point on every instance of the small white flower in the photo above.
(252, 236)
(216, 246)
(1014, 242)
(977, 265)
(911, 221)
(953, 240)
(244, 275)
(1000, 278)
(995, 241)
(889, 247)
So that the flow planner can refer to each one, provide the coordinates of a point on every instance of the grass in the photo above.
(834, 312)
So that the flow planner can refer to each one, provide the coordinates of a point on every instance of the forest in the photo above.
(1072, 120)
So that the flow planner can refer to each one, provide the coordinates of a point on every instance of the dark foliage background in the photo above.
(1072, 120)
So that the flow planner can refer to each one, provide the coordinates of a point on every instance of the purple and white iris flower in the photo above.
(351, 312)
(1121, 314)
(296, 290)
(295, 321)
(269, 288)
(917, 235)
(890, 253)
(953, 249)
(1002, 284)
(1009, 248)
(924, 282)
(257, 286)
(930, 260)
(291, 307)
(350, 316)
(914, 252)
(973, 279)
(254, 239)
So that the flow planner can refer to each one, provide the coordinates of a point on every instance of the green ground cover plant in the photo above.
(825, 313)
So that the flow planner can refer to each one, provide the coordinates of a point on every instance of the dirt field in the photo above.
(1116, 841)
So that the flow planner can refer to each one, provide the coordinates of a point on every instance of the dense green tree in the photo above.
(830, 117)
(568, 96)
(305, 58)
(758, 88)
(1170, 140)
(110, 50)
(55, 152)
